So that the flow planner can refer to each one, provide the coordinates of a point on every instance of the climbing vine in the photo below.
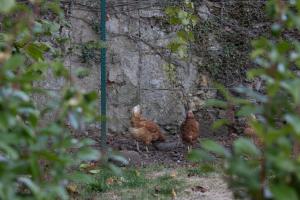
(223, 39)
(183, 17)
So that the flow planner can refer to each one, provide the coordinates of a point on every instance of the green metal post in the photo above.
(103, 74)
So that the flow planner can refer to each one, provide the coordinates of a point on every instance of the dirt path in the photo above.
(216, 189)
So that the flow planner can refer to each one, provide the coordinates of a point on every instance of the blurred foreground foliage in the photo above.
(266, 165)
(35, 154)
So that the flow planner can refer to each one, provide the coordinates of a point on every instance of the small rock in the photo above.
(132, 157)
(199, 189)
(166, 146)
(203, 12)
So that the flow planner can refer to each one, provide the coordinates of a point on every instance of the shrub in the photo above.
(272, 169)
(35, 156)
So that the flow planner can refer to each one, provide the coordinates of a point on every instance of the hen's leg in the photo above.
(189, 148)
(147, 148)
(137, 146)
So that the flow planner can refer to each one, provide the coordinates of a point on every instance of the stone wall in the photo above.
(137, 37)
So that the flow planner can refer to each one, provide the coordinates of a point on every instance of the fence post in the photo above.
(103, 103)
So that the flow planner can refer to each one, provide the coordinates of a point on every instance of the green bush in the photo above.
(272, 169)
(35, 154)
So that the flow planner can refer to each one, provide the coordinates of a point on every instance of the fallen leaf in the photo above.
(199, 189)
(94, 171)
(72, 188)
(121, 180)
(84, 166)
(110, 181)
(137, 173)
(4, 56)
(173, 174)
(87, 166)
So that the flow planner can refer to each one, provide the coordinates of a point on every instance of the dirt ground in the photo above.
(172, 152)
(172, 156)
(216, 189)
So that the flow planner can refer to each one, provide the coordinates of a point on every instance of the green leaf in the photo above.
(59, 69)
(120, 159)
(174, 46)
(174, 21)
(170, 11)
(199, 155)
(80, 177)
(294, 121)
(21, 95)
(281, 191)
(82, 72)
(219, 123)
(35, 51)
(244, 146)
(88, 154)
(6, 5)
(224, 91)
(248, 110)
(252, 94)
(116, 170)
(293, 86)
(31, 185)
(216, 103)
(14, 62)
(61, 192)
(74, 121)
(90, 96)
(182, 14)
(8, 150)
(255, 72)
(194, 20)
(53, 6)
(283, 47)
(94, 171)
(214, 147)
(84, 165)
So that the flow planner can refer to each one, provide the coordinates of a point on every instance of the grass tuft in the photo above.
(165, 184)
(106, 180)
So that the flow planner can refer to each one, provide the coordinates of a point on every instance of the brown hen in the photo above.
(144, 130)
(190, 129)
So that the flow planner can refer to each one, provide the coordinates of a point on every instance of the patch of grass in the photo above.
(165, 184)
(144, 183)
(195, 171)
(200, 170)
(106, 180)
(153, 168)
(203, 169)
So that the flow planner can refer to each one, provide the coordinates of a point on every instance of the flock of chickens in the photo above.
(147, 131)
